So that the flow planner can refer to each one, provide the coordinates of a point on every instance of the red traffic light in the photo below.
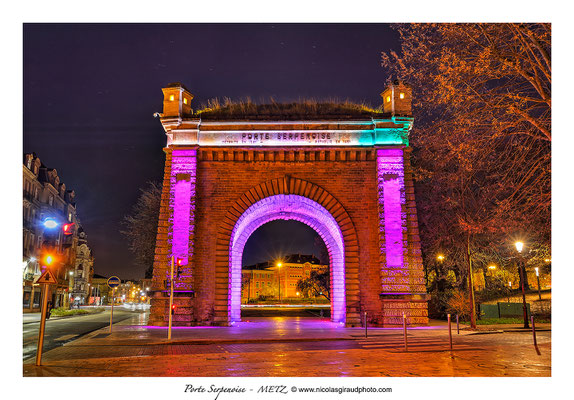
(68, 228)
(180, 262)
(173, 307)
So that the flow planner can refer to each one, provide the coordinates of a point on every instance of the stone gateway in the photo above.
(341, 169)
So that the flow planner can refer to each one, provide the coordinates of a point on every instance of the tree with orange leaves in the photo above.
(483, 135)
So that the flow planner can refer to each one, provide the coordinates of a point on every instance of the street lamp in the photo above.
(519, 246)
(509, 290)
(279, 275)
(538, 280)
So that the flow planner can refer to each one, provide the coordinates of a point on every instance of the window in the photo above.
(388, 99)
(171, 97)
(402, 95)
(185, 100)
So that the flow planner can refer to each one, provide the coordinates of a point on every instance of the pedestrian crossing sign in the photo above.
(47, 278)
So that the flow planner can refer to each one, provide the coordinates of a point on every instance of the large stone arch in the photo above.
(310, 204)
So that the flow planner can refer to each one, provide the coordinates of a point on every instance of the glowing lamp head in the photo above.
(519, 246)
(492, 267)
(509, 284)
(49, 259)
(50, 223)
(279, 264)
(536, 269)
(440, 257)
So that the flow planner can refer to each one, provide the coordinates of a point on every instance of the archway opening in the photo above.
(285, 272)
(297, 208)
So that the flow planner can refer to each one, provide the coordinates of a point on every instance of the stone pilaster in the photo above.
(175, 238)
(402, 281)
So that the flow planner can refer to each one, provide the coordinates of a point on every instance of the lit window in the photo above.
(171, 97)
(185, 100)
(402, 95)
(388, 99)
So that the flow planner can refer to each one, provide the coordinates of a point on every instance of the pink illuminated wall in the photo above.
(392, 218)
(297, 208)
(182, 202)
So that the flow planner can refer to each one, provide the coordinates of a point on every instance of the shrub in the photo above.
(459, 304)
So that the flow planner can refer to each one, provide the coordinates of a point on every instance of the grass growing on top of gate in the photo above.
(305, 108)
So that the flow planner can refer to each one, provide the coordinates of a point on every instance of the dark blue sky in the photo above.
(90, 91)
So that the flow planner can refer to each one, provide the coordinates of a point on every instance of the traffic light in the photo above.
(173, 307)
(68, 229)
(179, 264)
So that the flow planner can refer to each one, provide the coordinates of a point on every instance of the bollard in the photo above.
(457, 330)
(534, 335)
(366, 324)
(449, 332)
(405, 332)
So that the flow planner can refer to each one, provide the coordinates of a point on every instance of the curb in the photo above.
(216, 341)
(60, 317)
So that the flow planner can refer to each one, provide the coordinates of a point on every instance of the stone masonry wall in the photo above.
(349, 174)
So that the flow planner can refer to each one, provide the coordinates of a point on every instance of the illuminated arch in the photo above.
(298, 200)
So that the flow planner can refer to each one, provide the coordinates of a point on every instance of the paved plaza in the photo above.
(298, 347)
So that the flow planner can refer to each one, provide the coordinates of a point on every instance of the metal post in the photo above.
(449, 332)
(524, 312)
(365, 324)
(405, 332)
(457, 329)
(534, 335)
(170, 300)
(112, 312)
(538, 279)
(42, 325)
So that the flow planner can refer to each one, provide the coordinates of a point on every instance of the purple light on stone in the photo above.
(289, 207)
(182, 202)
(390, 172)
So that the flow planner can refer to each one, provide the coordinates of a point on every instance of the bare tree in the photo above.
(141, 227)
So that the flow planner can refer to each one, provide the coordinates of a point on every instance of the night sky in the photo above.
(90, 91)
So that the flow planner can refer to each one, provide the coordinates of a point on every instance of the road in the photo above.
(63, 330)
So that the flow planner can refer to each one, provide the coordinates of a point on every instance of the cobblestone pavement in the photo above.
(329, 351)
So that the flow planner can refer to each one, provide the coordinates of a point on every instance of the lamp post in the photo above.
(491, 267)
(519, 246)
(279, 275)
(509, 290)
(538, 281)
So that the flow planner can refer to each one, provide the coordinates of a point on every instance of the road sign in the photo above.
(114, 281)
(47, 278)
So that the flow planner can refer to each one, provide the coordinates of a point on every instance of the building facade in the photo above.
(83, 271)
(277, 279)
(46, 197)
(344, 171)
